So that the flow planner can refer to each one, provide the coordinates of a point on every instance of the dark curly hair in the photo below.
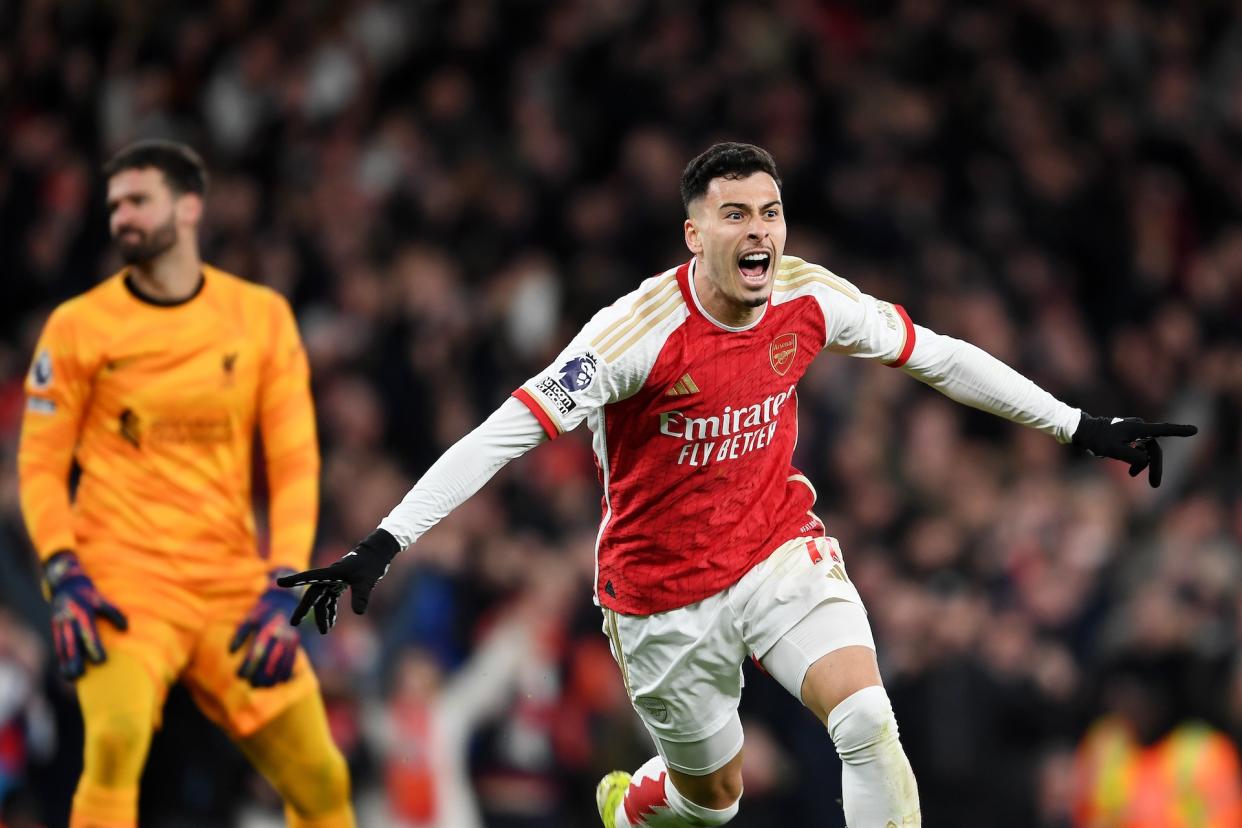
(182, 167)
(724, 160)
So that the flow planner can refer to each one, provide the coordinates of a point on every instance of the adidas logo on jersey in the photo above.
(682, 387)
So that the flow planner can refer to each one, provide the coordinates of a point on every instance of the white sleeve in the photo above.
(970, 375)
(609, 359)
(861, 325)
(507, 434)
(855, 323)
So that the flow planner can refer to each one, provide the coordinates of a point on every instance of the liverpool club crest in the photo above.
(782, 352)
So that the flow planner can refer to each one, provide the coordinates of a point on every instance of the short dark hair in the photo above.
(182, 167)
(724, 160)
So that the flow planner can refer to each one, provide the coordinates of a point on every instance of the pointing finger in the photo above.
(1166, 430)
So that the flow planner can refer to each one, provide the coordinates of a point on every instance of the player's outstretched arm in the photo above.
(971, 376)
(1130, 440)
(508, 433)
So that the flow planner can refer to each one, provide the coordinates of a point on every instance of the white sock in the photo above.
(877, 783)
(695, 814)
(653, 802)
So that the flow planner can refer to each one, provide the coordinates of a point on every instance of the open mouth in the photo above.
(754, 267)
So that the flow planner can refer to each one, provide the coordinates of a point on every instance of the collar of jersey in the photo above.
(694, 296)
(137, 293)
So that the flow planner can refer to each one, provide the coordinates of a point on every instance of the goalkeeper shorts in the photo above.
(182, 634)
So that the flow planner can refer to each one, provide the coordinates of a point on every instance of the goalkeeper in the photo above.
(154, 382)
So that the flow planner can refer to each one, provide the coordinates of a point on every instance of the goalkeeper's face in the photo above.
(146, 218)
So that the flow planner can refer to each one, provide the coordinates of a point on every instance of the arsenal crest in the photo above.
(782, 352)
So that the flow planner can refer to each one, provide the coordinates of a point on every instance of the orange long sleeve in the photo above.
(57, 392)
(290, 446)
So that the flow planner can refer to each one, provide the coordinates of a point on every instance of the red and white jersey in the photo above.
(695, 424)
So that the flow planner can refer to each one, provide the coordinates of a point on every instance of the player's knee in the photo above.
(116, 748)
(862, 724)
(314, 788)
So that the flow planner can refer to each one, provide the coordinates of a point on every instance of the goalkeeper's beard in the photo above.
(146, 248)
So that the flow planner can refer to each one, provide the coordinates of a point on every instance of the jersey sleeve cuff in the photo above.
(60, 542)
(541, 414)
(908, 347)
(1064, 430)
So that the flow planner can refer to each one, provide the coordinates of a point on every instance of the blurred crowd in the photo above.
(447, 189)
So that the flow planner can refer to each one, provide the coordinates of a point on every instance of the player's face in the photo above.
(144, 214)
(737, 231)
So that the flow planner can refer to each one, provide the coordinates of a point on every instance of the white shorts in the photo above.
(683, 668)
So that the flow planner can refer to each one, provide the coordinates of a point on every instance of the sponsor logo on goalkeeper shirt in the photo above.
(180, 429)
(196, 429)
(733, 433)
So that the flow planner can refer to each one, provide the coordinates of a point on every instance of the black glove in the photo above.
(1128, 439)
(359, 569)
